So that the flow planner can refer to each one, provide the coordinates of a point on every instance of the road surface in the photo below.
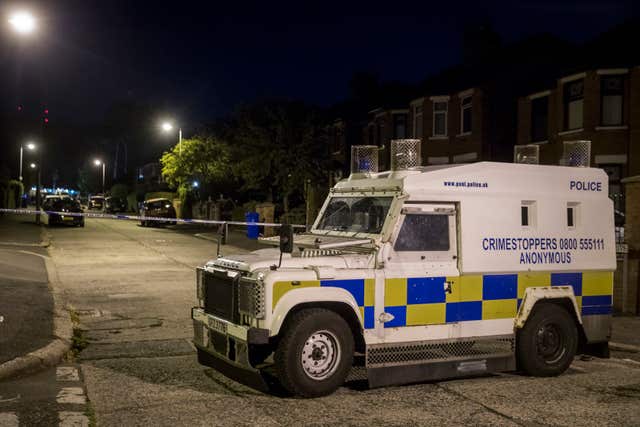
(132, 289)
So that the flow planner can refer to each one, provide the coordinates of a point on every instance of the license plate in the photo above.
(217, 325)
(67, 218)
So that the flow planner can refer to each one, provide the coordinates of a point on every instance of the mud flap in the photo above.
(246, 375)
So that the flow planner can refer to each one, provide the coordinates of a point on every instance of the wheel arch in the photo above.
(562, 296)
(335, 299)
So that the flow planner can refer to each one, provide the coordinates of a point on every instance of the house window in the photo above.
(611, 89)
(465, 115)
(440, 118)
(399, 126)
(423, 233)
(417, 122)
(539, 119)
(573, 104)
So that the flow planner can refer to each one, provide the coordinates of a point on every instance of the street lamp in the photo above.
(33, 165)
(30, 146)
(99, 162)
(168, 127)
(23, 22)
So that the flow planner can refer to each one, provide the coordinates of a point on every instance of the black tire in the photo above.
(299, 329)
(547, 343)
(81, 224)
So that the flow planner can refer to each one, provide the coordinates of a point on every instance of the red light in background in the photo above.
(19, 107)
(46, 120)
(46, 111)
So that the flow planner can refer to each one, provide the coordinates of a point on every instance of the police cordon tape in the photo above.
(143, 218)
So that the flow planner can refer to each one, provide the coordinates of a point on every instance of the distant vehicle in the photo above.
(62, 204)
(96, 202)
(157, 208)
(114, 205)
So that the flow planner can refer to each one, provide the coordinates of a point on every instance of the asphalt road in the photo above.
(133, 287)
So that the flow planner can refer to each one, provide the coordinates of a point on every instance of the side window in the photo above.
(524, 215)
(572, 214)
(423, 233)
(528, 213)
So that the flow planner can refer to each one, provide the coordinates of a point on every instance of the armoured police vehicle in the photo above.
(424, 273)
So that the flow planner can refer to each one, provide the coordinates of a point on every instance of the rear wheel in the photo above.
(548, 341)
(315, 353)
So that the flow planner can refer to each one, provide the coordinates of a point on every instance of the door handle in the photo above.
(448, 286)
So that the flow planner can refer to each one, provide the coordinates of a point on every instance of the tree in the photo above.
(87, 180)
(278, 146)
(205, 159)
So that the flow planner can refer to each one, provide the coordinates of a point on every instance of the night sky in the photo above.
(194, 62)
(198, 61)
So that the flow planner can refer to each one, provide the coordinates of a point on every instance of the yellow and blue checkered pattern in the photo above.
(423, 300)
(363, 291)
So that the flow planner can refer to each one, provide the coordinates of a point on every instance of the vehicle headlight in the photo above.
(251, 296)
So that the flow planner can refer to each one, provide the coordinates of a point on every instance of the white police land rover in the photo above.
(429, 272)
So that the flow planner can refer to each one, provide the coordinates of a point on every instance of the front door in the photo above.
(421, 270)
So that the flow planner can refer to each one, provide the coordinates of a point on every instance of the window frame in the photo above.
(603, 79)
(435, 113)
(567, 101)
(417, 119)
(463, 108)
(422, 256)
(530, 206)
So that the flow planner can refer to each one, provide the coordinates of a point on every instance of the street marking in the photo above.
(67, 373)
(71, 395)
(8, 419)
(73, 419)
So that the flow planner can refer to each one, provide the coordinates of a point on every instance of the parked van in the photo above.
(429, 272)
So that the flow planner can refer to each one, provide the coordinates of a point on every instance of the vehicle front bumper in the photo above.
(227, 347)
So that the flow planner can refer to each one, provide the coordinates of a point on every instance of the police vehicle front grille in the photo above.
(433, 351)
(220, 296)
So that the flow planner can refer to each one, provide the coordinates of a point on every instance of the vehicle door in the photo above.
(421, 269)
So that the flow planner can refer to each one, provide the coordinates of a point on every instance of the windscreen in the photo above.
(65, 203)
(355, 214)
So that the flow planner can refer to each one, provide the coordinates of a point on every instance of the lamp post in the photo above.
(99, 162)
(22, 22)
(30, 146)
(168, 127)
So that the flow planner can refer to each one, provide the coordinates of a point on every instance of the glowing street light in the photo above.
(33, 165)
(196, 184)
(99, 162)
(23, 22)
(30, 146)
(168, 127)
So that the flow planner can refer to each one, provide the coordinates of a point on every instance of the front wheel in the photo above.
(548, 341)
(315, 353)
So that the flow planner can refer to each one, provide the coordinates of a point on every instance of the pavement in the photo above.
(35, 331)
(131, 289)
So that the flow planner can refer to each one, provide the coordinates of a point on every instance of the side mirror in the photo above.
(286, 238)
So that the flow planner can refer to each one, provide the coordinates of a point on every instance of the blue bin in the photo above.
(252, 230)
